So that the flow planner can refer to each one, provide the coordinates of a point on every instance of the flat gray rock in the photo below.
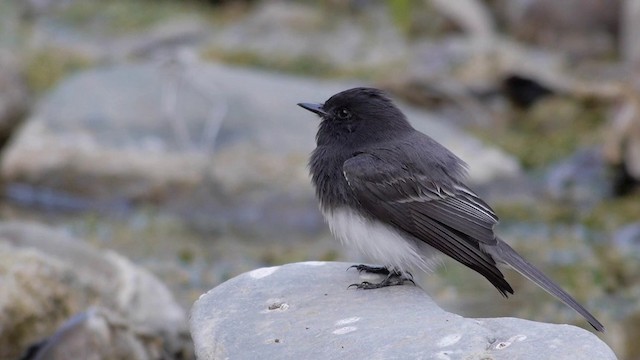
(14, 96)
(147, 131)
(305, 311)
(48, 277)
(227, 146)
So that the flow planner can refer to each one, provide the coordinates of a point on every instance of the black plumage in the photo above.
(371, 162)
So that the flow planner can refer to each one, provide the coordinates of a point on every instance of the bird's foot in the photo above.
(393, 277)
(383, 270)
(371, 269)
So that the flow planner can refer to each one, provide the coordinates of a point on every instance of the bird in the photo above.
(400, 197)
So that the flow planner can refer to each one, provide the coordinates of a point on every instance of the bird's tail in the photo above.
(504, 253)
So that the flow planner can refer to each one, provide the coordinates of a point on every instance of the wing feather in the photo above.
(439, 211)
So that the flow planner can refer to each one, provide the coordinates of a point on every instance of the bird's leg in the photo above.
(394, 277)
(371, 269)
(381, 270)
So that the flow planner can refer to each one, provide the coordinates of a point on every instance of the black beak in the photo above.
(314, 108)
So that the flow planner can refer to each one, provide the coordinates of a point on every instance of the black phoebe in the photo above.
(396, 195)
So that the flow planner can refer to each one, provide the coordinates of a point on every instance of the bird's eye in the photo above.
(344, 114)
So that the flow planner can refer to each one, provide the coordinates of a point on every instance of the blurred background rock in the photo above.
(167, 131)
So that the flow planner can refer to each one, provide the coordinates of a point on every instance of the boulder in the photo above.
(306, 311)
(626, 240)
(578, 27)
(582, 178)
(100, 334)
(303, 35)
(14, 96)
(227, 145)
(48, 277)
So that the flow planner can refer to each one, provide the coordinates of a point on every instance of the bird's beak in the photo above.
(314, 108)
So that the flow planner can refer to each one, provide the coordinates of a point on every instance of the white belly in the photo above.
(379, 241)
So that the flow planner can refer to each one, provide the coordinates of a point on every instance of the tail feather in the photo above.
(504, 253)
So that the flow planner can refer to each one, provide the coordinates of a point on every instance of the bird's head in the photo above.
(357, 116)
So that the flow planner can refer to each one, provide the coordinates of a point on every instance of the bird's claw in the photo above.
(361, 285)
(371, 269)
(391, 280)
(380, 270)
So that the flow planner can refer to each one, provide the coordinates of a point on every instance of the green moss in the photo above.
(607, 215)
(418, 19)
(250, 59)
(631, 326)
(304, 65)
(545, 212)
(45, 67)
(186, 256)
(124, 16)
(279, 256)
(330, 255)
(550, 131)
(611, 214)
(401, 13)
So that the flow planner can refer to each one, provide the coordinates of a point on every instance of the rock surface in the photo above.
(580, 27)
(305, 311)
(48, 277)
(14, 97)
(100, 334)
(300, 32)
(216, 138)
(627, 240)
(581, 178)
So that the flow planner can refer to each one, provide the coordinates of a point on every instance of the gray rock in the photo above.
(305, 311)
(470, 15)
(214, 140)
(14, 97)
(94, 39)
(35, 8)
(100, 334)
(289, 32)
(481, 64)
(582, 178)
(622, 145)
(272, 32)
(48, 276)
(161, 40)
(627, 240)
(579, 27)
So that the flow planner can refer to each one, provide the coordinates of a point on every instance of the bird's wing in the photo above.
(435, 209)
